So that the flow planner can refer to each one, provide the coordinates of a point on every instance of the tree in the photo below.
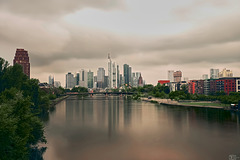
(184, 88)
(19, 129)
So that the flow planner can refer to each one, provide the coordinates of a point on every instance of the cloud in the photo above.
(48, 8)
(216, 32)
(209, 43)
(192, 9)
(33, 35)
(225, 53)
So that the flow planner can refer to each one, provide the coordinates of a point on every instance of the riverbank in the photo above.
(176, 103)
(57, 100)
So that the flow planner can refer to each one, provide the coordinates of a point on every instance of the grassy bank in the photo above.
(204, 104)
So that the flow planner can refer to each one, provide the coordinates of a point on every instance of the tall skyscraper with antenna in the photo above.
(113, 73)
(110, 72)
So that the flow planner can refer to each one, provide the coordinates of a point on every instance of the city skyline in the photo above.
(151, 36)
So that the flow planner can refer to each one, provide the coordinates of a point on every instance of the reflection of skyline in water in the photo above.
(111, 112)
(115, 128)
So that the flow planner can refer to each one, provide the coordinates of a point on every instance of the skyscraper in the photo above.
(100, 77)
(51, 81)
(83, 78)
(130, 76)
(110, 72)
(21, 57)
(134, 80)
(138, 74)
(214, 73)
(118, 77)
(77, 78)
(70, 81)
(90, 79)
(126, 73)
(113, 70)
(121, 80)
(114, 75)
(170, 75)
(57, 84)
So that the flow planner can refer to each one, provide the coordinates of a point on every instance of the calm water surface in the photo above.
(113, 128)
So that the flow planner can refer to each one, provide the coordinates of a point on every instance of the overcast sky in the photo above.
(152, 36)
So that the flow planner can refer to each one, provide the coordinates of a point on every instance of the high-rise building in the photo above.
(51, 81)
(214, 73)
(138, 74)
(114, 75)
(83, 78)
(105, 84)
(77, 79)
(225, 73)
(70, 80)
(205, 76)
(118, 77)
(110, 72)
(57, 84)
(140, 81)
(121, 80)
(90, 79)
(135, 78)
(100, 77)
(130, 76)
(126, 74)
(95, 82)
(21, 57)
(177, 76)
(170, 75)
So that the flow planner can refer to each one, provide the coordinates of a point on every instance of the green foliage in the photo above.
(161, 95)
(20, 101)
(59, 91)
(79, 89)
(52, 96)
(19, 128)
(116, 90)
(184, 88)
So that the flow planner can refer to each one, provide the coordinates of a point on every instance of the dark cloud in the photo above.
(216, 54)
(217, 32)
(48, 8)
(208, 43)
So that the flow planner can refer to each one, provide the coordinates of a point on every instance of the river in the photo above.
(113, 128)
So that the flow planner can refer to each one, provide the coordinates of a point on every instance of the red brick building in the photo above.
(227, 84)
(21, 57)
(196, 86)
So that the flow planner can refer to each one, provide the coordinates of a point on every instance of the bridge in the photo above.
(104, 93)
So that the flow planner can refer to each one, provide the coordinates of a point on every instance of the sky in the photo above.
(152, 36)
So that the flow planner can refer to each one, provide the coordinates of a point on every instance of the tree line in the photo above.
(163, 91)
(22, 103)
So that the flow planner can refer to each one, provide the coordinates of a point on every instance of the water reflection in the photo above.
(114, 128)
